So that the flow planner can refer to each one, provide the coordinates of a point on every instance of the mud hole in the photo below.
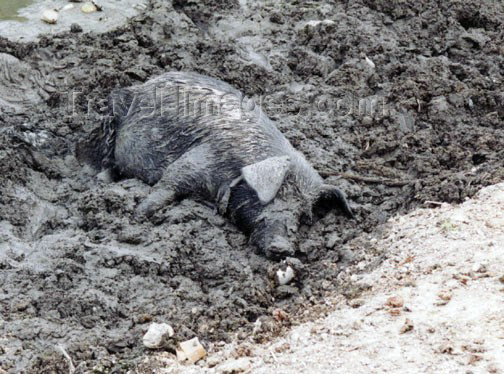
(77, 271)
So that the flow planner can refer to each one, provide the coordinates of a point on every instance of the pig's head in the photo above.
(274, 196)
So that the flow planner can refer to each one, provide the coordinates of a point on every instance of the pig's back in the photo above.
(175, 112)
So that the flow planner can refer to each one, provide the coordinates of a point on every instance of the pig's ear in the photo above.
(331, 197)
(266, 176)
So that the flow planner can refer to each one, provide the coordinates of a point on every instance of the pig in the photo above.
(190, 135)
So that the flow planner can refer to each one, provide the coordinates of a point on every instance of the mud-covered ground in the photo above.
(78, 272)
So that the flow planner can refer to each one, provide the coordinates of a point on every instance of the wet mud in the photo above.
(79, 273)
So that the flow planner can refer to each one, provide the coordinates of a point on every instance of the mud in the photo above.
(77, 272)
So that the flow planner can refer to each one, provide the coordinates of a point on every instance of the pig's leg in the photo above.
(188, 175)
(266, 231)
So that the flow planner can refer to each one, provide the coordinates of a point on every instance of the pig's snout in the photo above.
(278, 248)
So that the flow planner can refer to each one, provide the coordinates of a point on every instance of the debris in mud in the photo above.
(155, 335)
(190, 351)
(50, 16)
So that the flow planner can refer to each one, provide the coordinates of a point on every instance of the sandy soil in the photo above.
(77, 271)
(434, 304)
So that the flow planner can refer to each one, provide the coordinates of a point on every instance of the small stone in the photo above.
(280, 315)
(493, 368)
(395, 312)
(190, 351)
(445, 295)
(370, 62)
(479, 268)
(501, 279)
(356, 303)
(285, 276)
(446, 348)
(234, 366)
(75, 28)
(144, 318)
(213, 361)
(474, 358)
(277, 18)
(50, 16)
(395, 301)
(22, 306)
(153, 338)
(89, 7)
(408, 326)
(67, 7)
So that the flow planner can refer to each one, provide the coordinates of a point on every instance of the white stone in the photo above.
(88, 7)
(286, 276)
(50, 16)
(154, 336)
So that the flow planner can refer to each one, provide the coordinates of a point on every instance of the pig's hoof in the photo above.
(279, 248)
(145, 210)
(154, 202)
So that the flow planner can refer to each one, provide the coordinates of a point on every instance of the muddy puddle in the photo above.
(396, 103)
(9, 10)
(22, 20)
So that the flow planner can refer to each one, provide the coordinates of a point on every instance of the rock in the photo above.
(89, 7)
(50, 16)
(190, 351)
(280, 315)
(213, 361)
(479, 267)
(356, 303)
(153, 338)
(67, 7)
(75, 28)
(408, 326)
(395, 301)
(285, 276)
(370, 62)
(234, 366)
(445, 297)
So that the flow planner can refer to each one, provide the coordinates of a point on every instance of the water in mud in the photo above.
(9, 9)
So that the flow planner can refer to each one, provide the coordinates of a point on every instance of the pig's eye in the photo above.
(331, 197)
(306, 217)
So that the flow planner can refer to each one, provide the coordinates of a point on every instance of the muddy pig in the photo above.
(189, 135)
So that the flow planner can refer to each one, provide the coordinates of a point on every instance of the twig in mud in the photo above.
(372, 180)
(433, 202)
(274, 356)
(71, 369)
